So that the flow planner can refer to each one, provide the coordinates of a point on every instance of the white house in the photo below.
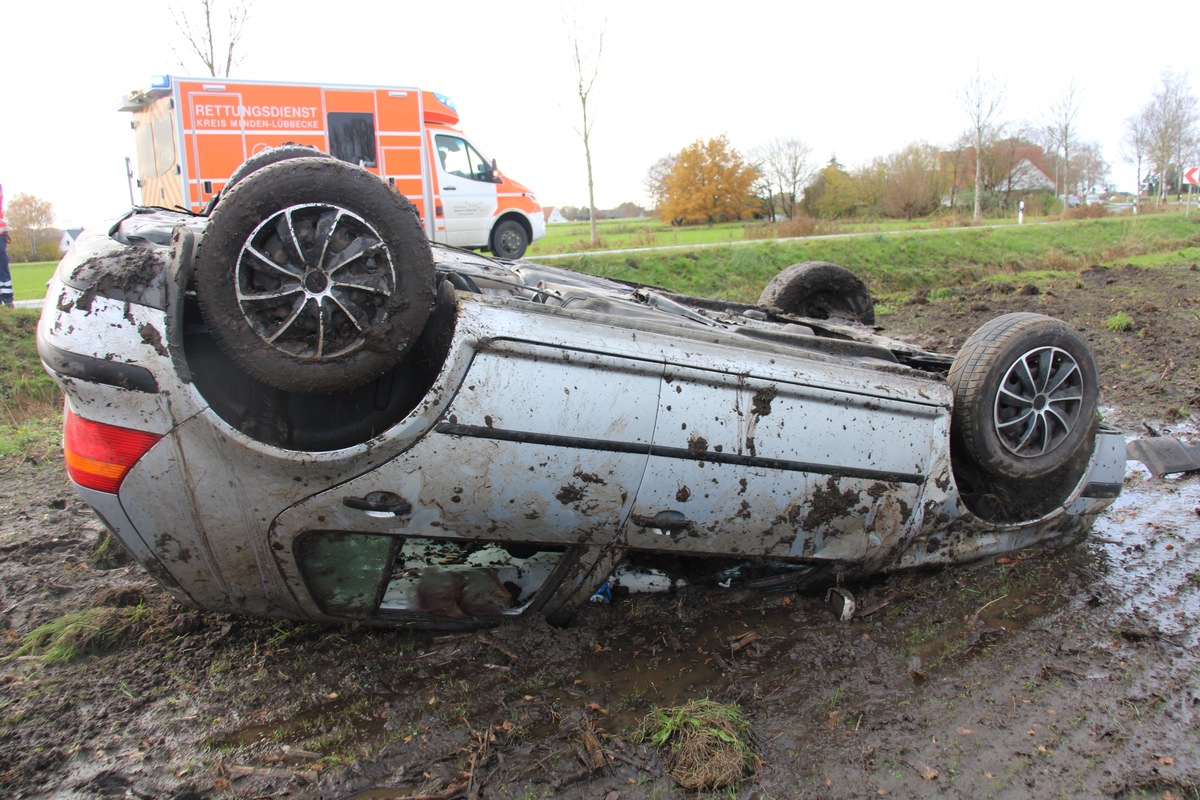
(68, 238)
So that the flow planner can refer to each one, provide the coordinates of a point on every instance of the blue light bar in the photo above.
(160, 81)
(446, 101)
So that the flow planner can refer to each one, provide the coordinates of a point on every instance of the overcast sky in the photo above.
(855, 80)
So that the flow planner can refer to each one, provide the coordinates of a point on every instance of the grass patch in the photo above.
(708, 744)
(1187, 255)
(1119, 322)
(78, 633)
(30, 402)
(573, 237)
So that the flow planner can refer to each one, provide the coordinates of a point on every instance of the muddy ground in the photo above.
(1070, 672)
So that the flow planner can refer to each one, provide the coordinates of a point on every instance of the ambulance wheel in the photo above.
(509, 240)
(820, 290)
(264, 158)
(314, 276)
(1025, 396)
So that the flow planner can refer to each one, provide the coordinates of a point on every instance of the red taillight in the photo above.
(98, 455)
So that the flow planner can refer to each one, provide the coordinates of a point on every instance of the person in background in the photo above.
(6, 292)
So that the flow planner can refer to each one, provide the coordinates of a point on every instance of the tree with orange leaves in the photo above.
(709, 181)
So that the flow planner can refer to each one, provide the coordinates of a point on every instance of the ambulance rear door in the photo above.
(402, 163)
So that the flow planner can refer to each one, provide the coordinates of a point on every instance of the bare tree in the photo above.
(1134, 146)
(656, 178)
(1013, 171)
(1062, 128)
(982, 99)
(764, 191)
(786, 167)
(214, 44)
(587, 69)
(1091, 169)
(953, 168)
(1172, 128)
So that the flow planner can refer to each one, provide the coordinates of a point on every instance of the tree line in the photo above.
(991, 166)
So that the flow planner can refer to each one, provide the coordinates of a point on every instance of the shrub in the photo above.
(800, 226)
(950, 220)
(1094, 211)
(644, 237)
(1039, 204)
(783, 229)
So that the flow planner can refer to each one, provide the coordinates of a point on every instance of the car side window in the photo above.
(459, 158)
(359, 575)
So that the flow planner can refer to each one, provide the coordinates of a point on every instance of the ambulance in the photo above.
(193, 133)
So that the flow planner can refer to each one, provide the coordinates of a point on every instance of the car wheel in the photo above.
(314, 276)
(1025, 396)
(509, 240)
(820, 290)
(264, 158)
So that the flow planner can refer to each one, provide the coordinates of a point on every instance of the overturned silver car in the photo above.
(295, 407)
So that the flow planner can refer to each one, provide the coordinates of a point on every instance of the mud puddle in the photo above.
(1149, 541)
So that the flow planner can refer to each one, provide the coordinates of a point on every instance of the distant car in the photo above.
(295, 407)
(1070, 200)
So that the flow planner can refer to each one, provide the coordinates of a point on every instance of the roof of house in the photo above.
(1027, 161)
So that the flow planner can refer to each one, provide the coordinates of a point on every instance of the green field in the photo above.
(905, 261)
(620, 234)
(29, 280)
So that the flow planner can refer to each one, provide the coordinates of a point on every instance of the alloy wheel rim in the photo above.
(1038, 403)
(313, 279)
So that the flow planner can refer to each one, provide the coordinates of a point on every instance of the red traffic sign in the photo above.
(1192, 174)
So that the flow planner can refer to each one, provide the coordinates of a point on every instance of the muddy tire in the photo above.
(1025, 396)
(264, 158)
(820, 290)
(314, 276)
(509, 240)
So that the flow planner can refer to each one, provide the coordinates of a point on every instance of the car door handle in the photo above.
(449, 188)
(666, 521)
(380, 503)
